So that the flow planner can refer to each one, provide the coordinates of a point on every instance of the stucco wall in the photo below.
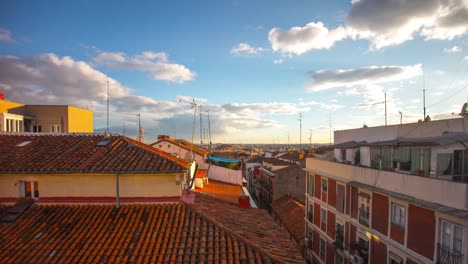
(181, 152)
(93, 185)
(225, 175)
(80, 120)
(424, 129)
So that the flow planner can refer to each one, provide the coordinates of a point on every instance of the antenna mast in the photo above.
(300, 130)
(329, 120)
(107, 130)
(310, 138)
(201, 127)
(194, 107)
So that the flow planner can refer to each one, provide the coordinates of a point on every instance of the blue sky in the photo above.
(254, 65)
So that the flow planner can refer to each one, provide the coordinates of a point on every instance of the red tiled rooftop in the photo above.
(201, 173)
(291, 213)
(223, 191)
(81, 153)
(253, 226)
(137, 233)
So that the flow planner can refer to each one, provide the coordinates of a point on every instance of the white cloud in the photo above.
(245, 49)
(5, 35)
(326, 79)
(299, 40)
(454, 49)
(387, 22)
(156, 64)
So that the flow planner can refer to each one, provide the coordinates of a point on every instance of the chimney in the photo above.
(244, 201)
(161, 137)
(2, 96)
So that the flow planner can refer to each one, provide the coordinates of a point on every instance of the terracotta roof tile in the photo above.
(82, 153)
(223, 191)
(252, 226)
(135, 233)
(291, 213)
(201, 173)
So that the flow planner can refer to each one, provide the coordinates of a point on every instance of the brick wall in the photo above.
(348, 199)
(380, 213)
(378, 252)
(318, 186)
(421, 231)
(354, 202)
(316, 214)
(332, 192)
(331, 224)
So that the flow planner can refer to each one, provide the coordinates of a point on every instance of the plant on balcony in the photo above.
(338, 244)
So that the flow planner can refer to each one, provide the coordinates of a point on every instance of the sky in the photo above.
(258, 69)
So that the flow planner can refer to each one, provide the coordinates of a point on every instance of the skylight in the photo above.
(24, 143)
(104, 142)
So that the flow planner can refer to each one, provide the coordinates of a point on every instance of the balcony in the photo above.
(364, 216)
(447, 256)
(425, 188)
(310, 218)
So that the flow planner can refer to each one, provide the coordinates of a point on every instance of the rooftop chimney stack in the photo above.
(2, 96)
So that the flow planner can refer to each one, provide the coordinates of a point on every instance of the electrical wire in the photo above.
(448, 97)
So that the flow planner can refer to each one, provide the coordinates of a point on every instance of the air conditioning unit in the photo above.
(358, 259)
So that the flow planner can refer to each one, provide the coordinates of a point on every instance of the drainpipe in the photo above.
(117, 190)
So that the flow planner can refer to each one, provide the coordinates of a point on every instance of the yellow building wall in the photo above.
(80, 120)
(5, 105)
(93, 185)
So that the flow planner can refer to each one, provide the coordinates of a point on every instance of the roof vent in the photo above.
(24, 143)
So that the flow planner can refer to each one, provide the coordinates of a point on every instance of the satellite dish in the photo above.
(463, 110)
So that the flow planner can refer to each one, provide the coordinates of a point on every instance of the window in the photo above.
(323, 248)
(29, 189)
(310, 213)
(340, 198)
(453, 164)
(323, 216)
(450, 243)
(310, 238)
(394, 258)
(324, 185)
(37, 128)
(339, 233)
(14, 125)
(55, 129)
(339, 258)
(311, 179)
(364, 208)
(398, 215)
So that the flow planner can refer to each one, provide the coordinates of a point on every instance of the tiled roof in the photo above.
(135, 233)
(291, 213)
(223, 191)
(183, 144)
(201, 173)
(47, 153)
(253, 226)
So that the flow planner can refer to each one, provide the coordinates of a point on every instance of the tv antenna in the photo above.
(108, 99)
(140, 129)
(300, 130)
(193, 106)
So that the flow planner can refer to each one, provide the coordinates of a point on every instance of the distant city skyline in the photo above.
(254, 66)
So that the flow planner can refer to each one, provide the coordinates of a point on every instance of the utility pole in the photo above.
(201, 127)
(385, 93)
(107, 130)
(300, 130)
(424, 102)
(310, 138)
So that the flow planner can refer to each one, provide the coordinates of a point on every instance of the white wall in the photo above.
(225, 175)
(425, 129)
(181, 153)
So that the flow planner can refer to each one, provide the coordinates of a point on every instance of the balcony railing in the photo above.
(447, 256)
(364, 216)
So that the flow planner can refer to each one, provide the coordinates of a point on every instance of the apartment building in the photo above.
(17, 117)
(274, 179)
(391, 194)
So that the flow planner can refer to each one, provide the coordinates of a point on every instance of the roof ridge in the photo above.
(156, 151)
